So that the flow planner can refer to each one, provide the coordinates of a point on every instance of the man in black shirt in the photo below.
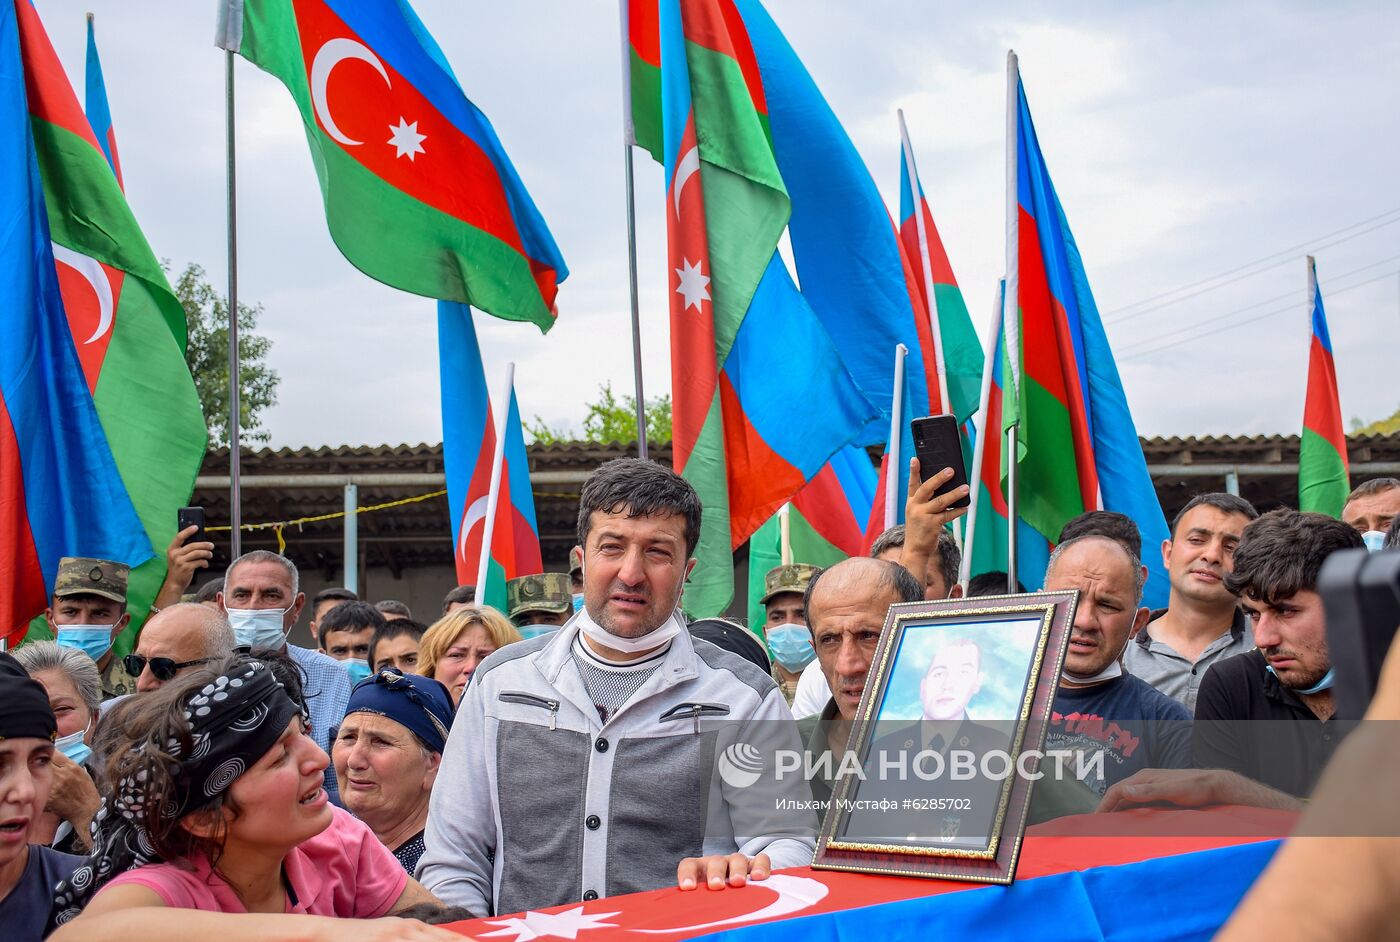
(1267, 714)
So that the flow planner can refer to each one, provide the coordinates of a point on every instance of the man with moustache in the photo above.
(1268, 714)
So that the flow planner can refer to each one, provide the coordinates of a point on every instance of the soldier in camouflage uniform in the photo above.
(785, 625)
(541, 600)
(88, 611)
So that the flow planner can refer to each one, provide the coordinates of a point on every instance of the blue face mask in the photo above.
(534, 631)
(357, 668)
(1374, 540)
(578, 601)
(1328, 679)
(73, 746)
(258, 627)
(92, 640)
(791, 646)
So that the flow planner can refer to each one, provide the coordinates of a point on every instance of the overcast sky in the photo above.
(1186, 141)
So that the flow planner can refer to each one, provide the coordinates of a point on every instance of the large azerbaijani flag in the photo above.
(849, 258)
(469, 449)
(126, 324)
(399, 148)
(955, 342)
(1078, 447)
(99, 113)
(824, 522)
(61, 491)
(736, 436)
(1323, 481)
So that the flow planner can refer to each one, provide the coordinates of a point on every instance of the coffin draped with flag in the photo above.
(1078, 449)
(469, 447)
(124, 332)
(1323, 479)
(400, 149)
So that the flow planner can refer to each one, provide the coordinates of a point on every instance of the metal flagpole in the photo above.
(235, 502)
(1011, 321)
(498, 460)
(785, 534)
(1012, 515)
(980, 448)
(629, 138)
(896, 426)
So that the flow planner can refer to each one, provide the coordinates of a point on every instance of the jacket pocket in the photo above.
(694, 711)
(530, 699)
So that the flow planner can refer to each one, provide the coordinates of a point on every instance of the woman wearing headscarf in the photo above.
(387, 753)
(217, 808)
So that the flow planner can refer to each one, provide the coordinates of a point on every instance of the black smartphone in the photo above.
(937, 445)
(191, 517)
(1361, 595)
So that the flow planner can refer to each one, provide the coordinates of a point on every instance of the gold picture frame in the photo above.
(878, 822)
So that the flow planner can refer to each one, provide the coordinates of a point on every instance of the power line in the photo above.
(1148, 341)
(1250, 320)
(1241, 272)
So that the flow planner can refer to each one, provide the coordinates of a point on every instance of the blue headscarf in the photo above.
(420, 704)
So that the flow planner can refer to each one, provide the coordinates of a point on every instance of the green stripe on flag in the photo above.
(1048, 483)
(1323, 484)
(765, 552)
(963, 356)
(646, 106)
(710, 588)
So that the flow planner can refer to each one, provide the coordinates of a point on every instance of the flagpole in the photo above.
(785, 534)
(979, 450)
(493, 496)
(629, 138)
(235, 503)
(1011, 321)
(896, 427)
(926, 263)
(1012, 515)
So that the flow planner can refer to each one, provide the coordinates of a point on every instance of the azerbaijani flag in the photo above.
(955, 342)
(95, 104)
(400, 149)
(824, 522)
(894, 471)
(848, 253)
(1078, 447)
(469, 449)
(61, 491)
(1323, 481)
(126, 325)
(736, 435)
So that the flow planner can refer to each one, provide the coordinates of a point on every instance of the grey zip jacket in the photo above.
(538, 803)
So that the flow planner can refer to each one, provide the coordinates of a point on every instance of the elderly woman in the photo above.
(456, 643)
(217, 809)
(387, 754)
(74, 687)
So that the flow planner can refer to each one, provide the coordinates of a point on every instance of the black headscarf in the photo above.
(24, 704)
(234, 720)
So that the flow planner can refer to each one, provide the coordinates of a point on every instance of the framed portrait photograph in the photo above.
(948, 741)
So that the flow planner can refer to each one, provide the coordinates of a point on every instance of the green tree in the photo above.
(610, 419)
(206, 313)
(1386, 426)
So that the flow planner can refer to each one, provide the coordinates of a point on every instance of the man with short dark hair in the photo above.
(346, 632)
(940, 575)
(1111, 719)
(595, 780)
(460, 597)
(1202, 623)
(990, 583)
(1268, 714)
(88, 611)
(208, 593)
(1109, 523)
(323, 602)
(396, 645)
(262, 600)
(392, 609)
(1370, 508)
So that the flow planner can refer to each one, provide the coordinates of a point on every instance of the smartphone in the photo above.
(1361, 596)
(938, 445)
(191, 517)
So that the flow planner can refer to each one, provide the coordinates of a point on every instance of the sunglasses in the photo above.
(162, 668)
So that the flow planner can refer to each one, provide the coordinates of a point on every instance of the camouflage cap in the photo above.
(546, 592)
(79, 575)
(793, 578)
(575, 559)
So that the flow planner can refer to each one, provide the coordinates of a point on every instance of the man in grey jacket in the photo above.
(581, 763)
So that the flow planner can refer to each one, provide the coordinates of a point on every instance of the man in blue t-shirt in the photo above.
(1115, 723)
(28, 872)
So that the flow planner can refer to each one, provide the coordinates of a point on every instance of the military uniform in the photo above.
(544, 592)
(794, 577)
(105, 579)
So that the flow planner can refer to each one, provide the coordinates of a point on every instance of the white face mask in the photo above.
(258, 627)
(653, 639)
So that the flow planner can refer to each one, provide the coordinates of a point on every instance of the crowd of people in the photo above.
(494, 762)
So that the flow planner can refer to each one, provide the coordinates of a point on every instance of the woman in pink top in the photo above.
(218, 810)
